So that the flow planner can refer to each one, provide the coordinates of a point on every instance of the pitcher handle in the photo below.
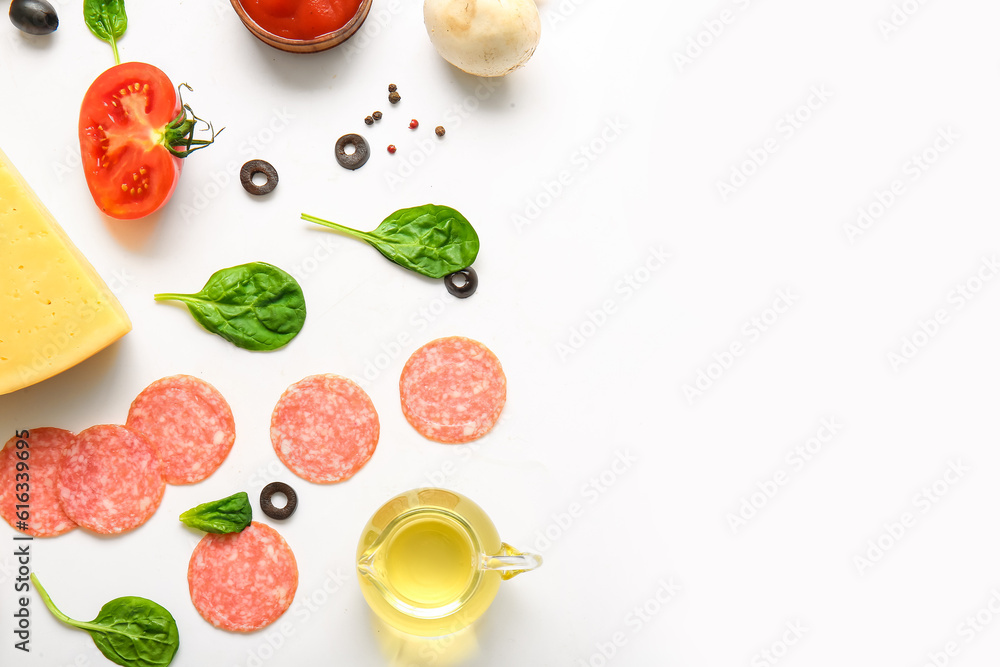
(510, 562)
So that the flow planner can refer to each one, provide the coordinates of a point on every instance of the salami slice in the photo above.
(110, 480)
(324, 428)
(44, 448)
(453, 390)
(189, 424)
(243, 581)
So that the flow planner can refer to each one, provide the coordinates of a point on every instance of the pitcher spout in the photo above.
(367, 568)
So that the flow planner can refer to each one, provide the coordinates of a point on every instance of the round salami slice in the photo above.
(189, 424)
(453, 390)
(243, 581)
(39, 479)
(324, 428)
(110, 480)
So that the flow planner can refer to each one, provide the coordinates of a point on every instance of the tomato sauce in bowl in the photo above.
(302, 25)
(301, 19)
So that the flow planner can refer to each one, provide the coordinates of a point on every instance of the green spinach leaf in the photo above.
(107, 20)
(431, 240)
(229, 515)
(129, 631)
(255, 306)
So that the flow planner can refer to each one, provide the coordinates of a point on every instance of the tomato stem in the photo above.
(178, 135)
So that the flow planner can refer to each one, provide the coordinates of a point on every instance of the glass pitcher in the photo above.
(430, 562)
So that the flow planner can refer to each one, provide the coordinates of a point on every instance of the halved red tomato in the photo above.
(134, 130)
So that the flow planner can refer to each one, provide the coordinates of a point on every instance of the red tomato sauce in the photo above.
(301, 19)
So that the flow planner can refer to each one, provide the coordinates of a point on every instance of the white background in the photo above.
(820, 552)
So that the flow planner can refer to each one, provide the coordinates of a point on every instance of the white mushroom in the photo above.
(483, 37)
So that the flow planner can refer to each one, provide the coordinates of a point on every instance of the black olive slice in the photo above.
(356, 159)
(278, 512)
(468, 285)
(258, 167)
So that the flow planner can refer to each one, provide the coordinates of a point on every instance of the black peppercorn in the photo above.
(392, 87)
(369, 120)
(439, 130)
(377, 115)
(394, 97)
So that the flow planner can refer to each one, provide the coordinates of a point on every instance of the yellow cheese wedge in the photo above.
(55, 311)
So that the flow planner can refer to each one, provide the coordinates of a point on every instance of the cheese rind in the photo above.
(55, 310)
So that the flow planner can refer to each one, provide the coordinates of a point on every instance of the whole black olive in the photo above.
(35, 17)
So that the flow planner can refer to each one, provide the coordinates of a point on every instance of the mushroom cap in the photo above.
(484, 37)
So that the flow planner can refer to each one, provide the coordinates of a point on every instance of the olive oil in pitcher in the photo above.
(430, 562)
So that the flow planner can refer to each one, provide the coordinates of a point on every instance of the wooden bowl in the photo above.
(321, 43)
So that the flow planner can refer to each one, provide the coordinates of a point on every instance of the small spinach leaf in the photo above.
(107, 20)
(229, 515)
(431, 240)
(129, 631)
(255, 306)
